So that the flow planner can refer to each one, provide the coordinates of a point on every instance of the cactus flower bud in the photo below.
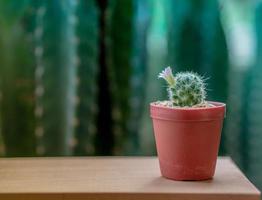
(168, 76)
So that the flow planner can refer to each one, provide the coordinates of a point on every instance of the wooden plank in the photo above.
(127, 196)
(25, 196)
(125, 178)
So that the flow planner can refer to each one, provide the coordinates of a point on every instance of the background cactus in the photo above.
(17, 100)
(141, 21)
(47, 28)
(254, 109)
(185, 89)
(87, 36)
(127, 61)
(16, 81)
(55, 53)
(119, 45)
(184, 19)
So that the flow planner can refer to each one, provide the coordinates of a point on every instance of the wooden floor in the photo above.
(119, 178)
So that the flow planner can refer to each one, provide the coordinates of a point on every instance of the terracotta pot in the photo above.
(187, 140)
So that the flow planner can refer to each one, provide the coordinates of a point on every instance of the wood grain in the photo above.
(125, 178)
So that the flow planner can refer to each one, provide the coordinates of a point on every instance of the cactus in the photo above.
(185, 36)
(64, 42)
(127, 64)
(119, 46)
(12, 11)
(55, 75)
(185, 88)
(87, 51)
(196, 40)
(16, 81)
(188, 90)
(253, 107)
(141, 22)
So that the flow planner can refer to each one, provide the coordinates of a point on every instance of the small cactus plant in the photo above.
(185, 89)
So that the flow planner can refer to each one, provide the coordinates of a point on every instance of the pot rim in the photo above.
(215, 103)
(189, 114)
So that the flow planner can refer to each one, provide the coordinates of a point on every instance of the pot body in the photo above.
(187, 140)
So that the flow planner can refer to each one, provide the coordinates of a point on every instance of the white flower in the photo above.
(168, 76)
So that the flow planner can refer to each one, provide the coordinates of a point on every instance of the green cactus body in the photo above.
(55, 75)
(185, 88)
(142, 16)
(16, 82)
(87, 34)
(185, 34)
(12, 11)
(188, 90)
(127, 63)
(119, 45)
(254, 109)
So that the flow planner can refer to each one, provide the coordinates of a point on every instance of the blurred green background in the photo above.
(77, 76)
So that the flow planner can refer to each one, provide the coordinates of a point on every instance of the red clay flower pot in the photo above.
(187, 140)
